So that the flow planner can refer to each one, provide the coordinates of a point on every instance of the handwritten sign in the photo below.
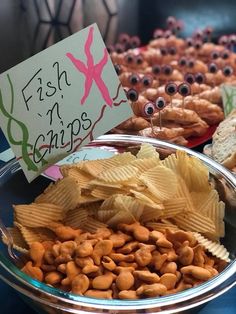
(59, 100)
(228, 93)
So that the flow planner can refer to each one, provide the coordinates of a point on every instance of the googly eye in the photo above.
(171, 89)
(167, 69)
(227, 70)
(191, 63)
(129, 58)
(139, 59)
(215, 55)
(232, 39)
(167, 33)
(179, 25)
(132, 94)
(118, 69)
(189, 41)
(200, 78)
(158, 33)
(160, 103)
(182, 62)
(212, 67)
(148, 109)
(208, 30)
(163, 51)
(147, 80)
(184, 89)
(134, 79)
(156, 69)
(123, 38)
(134, 42)
(171, 21)
(223, 40)
(172, 51)
(189, 78)
(119, 48)
(198, 44)
(198, 34)
(224, 54)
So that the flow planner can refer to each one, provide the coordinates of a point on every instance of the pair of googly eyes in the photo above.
(183, 61)
(223, 54)
(150, 107)
(165, 69)
(223, 40)
(191, 78)
(129, 41)
(194, 42)
(174, 24)
(160, 33)
(146, 80)
(130, 59)
(183, 89)
(226, 70)
(171, 51)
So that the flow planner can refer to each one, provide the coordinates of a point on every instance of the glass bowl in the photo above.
(14, 189)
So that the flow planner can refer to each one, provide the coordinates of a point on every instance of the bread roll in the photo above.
(224, 142)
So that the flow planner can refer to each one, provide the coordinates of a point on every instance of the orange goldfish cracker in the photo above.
(96, 268)
(33, 271)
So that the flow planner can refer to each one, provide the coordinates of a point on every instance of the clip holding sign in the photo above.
(60, 100)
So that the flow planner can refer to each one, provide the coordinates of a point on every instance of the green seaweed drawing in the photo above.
(25, 133)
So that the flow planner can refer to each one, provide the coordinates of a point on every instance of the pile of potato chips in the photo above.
(172, 193)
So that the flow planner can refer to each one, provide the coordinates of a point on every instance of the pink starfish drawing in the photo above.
(92, 72)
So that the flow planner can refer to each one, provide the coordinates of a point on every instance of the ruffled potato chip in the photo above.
(65, 193)
(183, 192)
(19, 243)
(76, 217)
(171, 163)
(122, 216)
(151, 212)
(214, 248)
(38, 214)
(194, 221)
(80, 176)
(124, 158)
(145, 163)
(31, 235)
(108, 204)
(198, 175)
(156, 181)
(147, 151)
(105, 215)
(104, 192)
(141, 196)
(118, 174)
(92, 225)
(88, 198)
(94, 167)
